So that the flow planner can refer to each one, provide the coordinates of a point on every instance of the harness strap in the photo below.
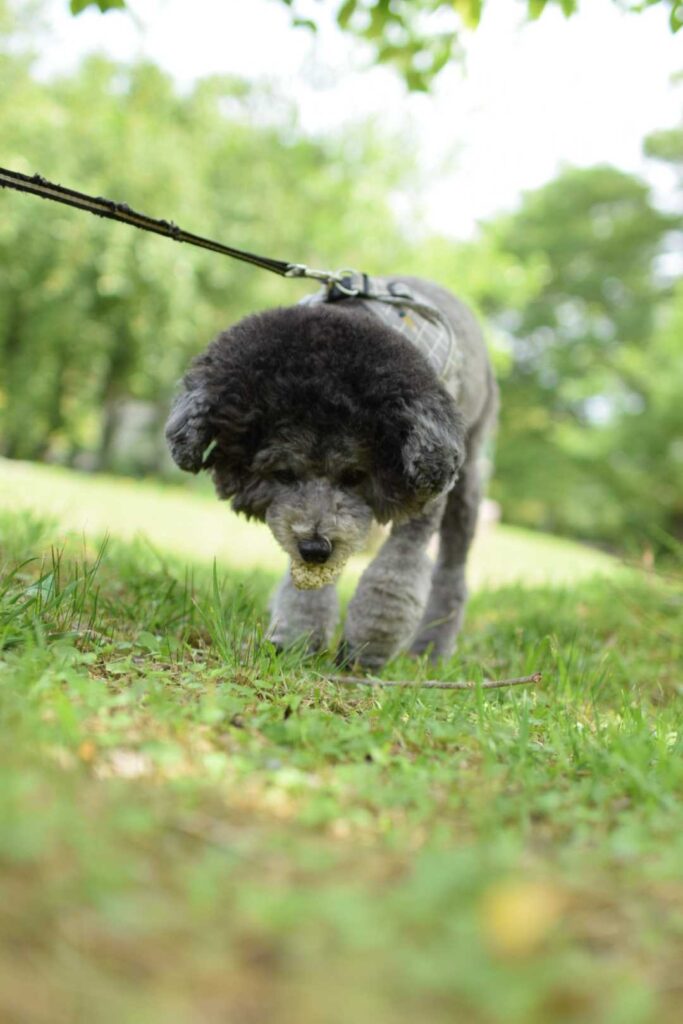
(360, 286)
(433, 333)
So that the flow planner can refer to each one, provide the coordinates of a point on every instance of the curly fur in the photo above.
(318, 419)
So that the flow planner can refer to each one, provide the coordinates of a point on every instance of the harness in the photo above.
(403, 308)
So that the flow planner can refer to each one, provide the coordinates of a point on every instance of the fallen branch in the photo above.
(432, 684)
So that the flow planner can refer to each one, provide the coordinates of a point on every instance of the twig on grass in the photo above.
(432, 684)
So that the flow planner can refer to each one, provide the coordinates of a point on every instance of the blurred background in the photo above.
(533, 166)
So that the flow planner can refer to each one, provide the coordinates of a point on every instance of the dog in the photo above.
(358, 404)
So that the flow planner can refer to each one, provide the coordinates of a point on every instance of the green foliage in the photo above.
(410, 34)
(196, 829)
(666, 145)
(588, 420)
(104, 5)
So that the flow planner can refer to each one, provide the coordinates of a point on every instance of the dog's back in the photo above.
(451, 343)
(469, 377)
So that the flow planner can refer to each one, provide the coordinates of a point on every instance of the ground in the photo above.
(197, 831)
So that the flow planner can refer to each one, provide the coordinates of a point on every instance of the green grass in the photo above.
(194, 830)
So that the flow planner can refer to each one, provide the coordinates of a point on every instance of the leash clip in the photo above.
(348, 282)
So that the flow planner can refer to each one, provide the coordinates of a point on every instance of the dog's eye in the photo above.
(352, 477)
(284, 476)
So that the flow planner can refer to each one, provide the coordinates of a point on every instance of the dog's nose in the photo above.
(315, 549)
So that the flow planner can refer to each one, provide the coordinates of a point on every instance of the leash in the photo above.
(38, 186)
(339, 284)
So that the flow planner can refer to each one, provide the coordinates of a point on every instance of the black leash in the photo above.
(100, 207)
(339, 284)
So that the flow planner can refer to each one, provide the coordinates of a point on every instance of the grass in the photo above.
(197, 831)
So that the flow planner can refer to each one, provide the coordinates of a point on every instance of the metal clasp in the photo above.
(338, 279)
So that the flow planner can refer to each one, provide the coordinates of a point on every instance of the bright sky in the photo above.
(531, 96)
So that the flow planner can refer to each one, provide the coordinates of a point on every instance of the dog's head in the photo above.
(317, 419)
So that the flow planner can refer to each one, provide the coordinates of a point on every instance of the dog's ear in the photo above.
(188, 430)
(434, 449)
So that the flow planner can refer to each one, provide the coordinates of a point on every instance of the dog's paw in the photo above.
(371, 655)
(284, 639)
(344, 658)
(350, 657)
(438, 645)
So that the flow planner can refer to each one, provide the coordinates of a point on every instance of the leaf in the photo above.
(469, 10)
(536, 8)
(517, 916)
(148, 641)
(443, 53)
(416, 81)
(86, 751)
(117, 668)
(78, 6)
(305, 23)
(676, 17)
(346, 12)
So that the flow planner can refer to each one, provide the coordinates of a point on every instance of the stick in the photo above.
(433, 684)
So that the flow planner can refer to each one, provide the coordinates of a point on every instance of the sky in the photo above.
(529, 99)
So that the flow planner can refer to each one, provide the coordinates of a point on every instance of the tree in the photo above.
(587, 414)
(666, 145)
(419, 37)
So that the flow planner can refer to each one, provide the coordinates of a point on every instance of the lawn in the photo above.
(194, 830)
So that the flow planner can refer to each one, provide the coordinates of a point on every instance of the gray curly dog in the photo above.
(320, 417)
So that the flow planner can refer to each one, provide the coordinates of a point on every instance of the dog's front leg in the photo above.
(387, 607)
(303, 615)
(444, 613)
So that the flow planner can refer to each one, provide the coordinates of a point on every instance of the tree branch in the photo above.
(431, 684)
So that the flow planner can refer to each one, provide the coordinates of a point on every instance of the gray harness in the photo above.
(404, 309)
